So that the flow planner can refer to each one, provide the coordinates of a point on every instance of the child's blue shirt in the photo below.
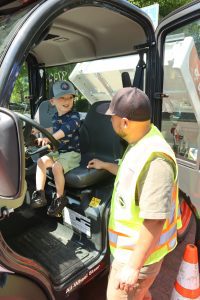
(69, 123)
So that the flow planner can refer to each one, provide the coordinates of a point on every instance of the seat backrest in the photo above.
(97, 137)
(44, 114)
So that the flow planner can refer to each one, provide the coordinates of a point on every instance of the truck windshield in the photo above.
(9, 25)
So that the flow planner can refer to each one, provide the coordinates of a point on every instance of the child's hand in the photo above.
(35, 131)
(43, 141)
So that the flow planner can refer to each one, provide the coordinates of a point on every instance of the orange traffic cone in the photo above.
(187, 282)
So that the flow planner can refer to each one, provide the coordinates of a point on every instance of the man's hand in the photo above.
(96, 164)
(126, 279)
(43, 141)
(99, 164)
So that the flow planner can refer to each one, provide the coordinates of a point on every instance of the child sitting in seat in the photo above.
(66, 124)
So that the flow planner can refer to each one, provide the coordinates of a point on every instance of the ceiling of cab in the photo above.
(86, 33)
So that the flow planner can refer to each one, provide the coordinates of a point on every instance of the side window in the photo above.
(181, 110)
(19, 100)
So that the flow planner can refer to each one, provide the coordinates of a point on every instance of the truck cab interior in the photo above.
(69, 247)
(42, 43)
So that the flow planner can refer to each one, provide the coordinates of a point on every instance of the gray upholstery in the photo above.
(44, 114)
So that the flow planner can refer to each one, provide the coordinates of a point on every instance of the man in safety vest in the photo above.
(144, 215)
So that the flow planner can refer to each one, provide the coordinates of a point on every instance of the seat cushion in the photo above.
(81, 176)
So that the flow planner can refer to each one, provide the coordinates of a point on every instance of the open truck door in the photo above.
(177, 101)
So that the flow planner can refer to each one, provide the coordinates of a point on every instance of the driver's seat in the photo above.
(44, 114)
(98, 140)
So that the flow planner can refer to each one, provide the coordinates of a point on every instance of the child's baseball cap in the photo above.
(61, 88)
(130, 103)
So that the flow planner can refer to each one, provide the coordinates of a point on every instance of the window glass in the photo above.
(96, 80)
(19, 100)
(10, 24)
(181, 110)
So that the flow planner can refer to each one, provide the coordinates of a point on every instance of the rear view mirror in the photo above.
(12, 160)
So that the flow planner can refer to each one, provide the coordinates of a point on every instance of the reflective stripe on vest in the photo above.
(124, 223)
(125, 242)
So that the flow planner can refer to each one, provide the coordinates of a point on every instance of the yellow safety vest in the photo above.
(124, 222)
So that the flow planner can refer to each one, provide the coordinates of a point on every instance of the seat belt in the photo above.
(126, 81)
(139, 73)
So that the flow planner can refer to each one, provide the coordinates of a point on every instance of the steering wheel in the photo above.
(55, 143)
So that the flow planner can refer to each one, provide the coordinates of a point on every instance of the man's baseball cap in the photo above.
(61, 88)
(130, 103)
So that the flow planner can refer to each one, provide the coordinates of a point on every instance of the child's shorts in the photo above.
(68, 160)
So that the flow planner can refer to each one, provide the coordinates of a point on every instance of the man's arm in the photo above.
(99, 164)
(149, 235)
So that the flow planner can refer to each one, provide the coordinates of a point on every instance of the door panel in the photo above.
(181, 109)
(178, 79)
(14, 286)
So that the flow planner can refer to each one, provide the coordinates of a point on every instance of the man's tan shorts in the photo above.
(68, 160)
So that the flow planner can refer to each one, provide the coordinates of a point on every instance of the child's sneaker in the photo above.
(57, 206)
(38, 199)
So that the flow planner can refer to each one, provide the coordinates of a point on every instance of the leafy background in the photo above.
(165, 6)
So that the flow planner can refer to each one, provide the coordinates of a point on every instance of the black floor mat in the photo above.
(54, 249)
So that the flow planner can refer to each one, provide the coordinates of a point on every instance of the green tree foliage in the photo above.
(192, 30)
(165, 6)
(19, 100)
(21, 89)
